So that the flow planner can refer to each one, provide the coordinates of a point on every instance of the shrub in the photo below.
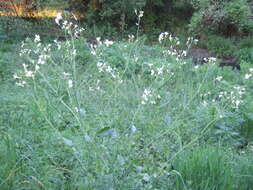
(246, 43)
(221, 46)
(246, 55)
(221, 17)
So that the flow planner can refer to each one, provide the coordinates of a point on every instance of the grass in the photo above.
(121, 116)
(204, 168)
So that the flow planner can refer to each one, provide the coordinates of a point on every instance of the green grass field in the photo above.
(122, 116)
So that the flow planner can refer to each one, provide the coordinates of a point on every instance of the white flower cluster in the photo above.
(174, 46)
(235, 96)
(149, 97)
(108, 43)
(249, 75)
(190, 41)
(19, 81)
(30, 70)
(212, 59)
(93, 47)
(160, 70)
(139, 14)
(106, 68)
(69, 27)
(131, 37)
(96, 87)
(219, 78)
(163, 36)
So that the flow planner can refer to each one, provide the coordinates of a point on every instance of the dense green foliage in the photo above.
(79, 111)
(122, 115)
(229, 17)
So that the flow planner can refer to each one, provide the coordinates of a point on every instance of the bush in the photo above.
(221, 46)
(246, 43)
(246, 55)
(221, 17)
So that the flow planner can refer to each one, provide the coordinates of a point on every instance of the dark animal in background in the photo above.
(230, 61)
(199, 55)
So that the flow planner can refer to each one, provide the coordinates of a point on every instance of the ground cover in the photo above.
(122, 115)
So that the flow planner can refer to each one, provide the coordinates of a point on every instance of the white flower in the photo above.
(37, 67)
(108, 42)
(37, 38)
(147, 91)
(58, 18)
(206, 59)
(65, 23)
(160, 71)
(248, 76)
(170, 38)
(130, 37)
(153, 102)
(93, 52)
(15, 76)
(212, 59)
(204, 103)
(24, 66)
(143, 102)
(237, 103)
(196, 67)
(21, 83)
(219, 78)
(42, 59)
(29, 74)
(162, 36)
(99, 40)
(109, 69)
(74, 52)
(66, 74)
(70, 83)
(141, 14)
